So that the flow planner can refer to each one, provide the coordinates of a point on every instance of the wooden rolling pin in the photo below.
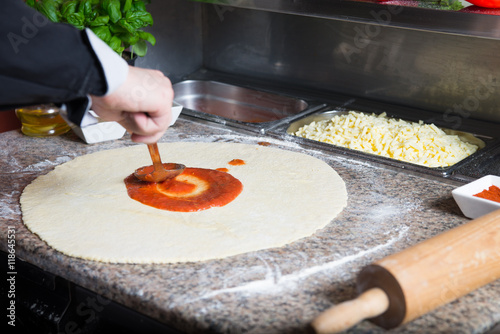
(406, 285)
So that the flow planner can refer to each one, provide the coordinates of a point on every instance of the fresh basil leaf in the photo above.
(135, 24)
(129, 38)
(68, 8)
(49, 9)
(117, 29)
(76, 19)
(86, 6)
(139, 5)
(140, 48)
(147, 36)
(116, 44)
(113, 10)
(31, 3)
(100, 21)
(124, 24)
(145, 17)
(103, 33)
(126, 5)
(104, 4)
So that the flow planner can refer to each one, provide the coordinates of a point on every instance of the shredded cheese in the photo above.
(418, 143)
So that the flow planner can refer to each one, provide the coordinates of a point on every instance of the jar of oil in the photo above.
(42, 121)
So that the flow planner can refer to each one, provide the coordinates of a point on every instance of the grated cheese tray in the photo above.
(203, 92)
(483, 142)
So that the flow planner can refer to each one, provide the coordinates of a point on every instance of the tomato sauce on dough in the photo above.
(236, 162)
(196, 189)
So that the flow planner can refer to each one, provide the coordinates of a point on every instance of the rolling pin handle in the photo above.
(338, 318)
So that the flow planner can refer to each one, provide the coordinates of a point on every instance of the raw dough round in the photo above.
(82, 209)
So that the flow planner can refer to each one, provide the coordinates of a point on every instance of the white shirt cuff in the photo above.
(115, 67)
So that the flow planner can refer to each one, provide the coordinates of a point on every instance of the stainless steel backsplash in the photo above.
(454, 75)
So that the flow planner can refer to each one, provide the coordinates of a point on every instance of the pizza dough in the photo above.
(82, 209)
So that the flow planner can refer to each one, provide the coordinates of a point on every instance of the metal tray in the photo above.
(222, 102)
(483, 142)
(302, 107)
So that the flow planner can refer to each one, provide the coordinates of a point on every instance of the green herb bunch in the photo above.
(119, 23)
(441, 4)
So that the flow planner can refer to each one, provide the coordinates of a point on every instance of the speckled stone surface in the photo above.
(269, 291)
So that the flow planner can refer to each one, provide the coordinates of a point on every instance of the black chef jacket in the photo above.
(45, 62)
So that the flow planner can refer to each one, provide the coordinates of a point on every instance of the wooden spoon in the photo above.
(159, 171)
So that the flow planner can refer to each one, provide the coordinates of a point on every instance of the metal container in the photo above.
(483, 142)
(204, 90)
(223, 102)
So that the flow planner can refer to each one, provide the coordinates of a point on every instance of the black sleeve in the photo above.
(43, 62)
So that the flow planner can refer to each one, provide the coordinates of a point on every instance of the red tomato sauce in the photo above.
(236, 162)
(196, 189)
(492, 193)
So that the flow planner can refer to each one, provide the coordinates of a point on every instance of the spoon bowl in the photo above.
(150, 174)
(159, 171)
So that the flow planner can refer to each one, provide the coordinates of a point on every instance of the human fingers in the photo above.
(147, 127)
(154, 95)
(142, 104)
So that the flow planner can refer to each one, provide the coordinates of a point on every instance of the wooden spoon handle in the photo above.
(343, 316)
(155, 154)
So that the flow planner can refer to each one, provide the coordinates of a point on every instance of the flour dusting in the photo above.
(380, 213)
(275, 283)
(7, 210)
(42, 165)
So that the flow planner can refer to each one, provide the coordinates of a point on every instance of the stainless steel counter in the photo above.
(269, 291)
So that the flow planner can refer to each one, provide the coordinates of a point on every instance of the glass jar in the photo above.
(42, 120)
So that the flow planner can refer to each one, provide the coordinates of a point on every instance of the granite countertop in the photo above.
(276, 290)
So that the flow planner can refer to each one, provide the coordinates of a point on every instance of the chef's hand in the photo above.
(142, 104)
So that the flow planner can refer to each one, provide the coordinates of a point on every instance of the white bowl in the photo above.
(474, 207)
